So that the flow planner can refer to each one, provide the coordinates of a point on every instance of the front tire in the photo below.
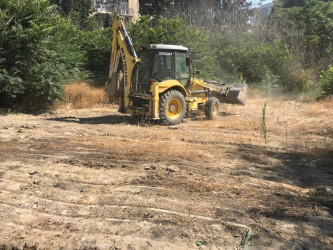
(212, 108)
(172, 107)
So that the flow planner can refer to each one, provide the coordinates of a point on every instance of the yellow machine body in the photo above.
(165, 97)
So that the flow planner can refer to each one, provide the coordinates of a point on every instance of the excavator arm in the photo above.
(119, 87)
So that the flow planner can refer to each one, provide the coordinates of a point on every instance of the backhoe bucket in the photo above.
(114, 86)
(237, 94)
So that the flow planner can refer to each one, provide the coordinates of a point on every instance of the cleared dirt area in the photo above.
(95, 178)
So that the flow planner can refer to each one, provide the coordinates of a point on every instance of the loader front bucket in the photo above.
(237, 94)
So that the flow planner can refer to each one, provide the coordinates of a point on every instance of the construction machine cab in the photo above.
(157, 83)
(161, 62)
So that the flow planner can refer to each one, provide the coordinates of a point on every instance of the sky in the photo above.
(256, 2)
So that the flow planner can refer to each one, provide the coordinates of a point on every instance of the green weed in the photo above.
(263, 124)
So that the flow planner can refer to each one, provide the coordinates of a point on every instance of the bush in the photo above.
(251, 60)
(97, 50)
(295, 79)
(38, 54)
(248, 60)
(40, 51)
(327, 81)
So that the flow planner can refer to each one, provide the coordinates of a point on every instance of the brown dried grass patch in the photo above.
(150, 143)
(323, 107)
(82, 95)
(152, 150)
(204, 185)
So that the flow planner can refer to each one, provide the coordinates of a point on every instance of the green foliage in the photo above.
(230, 57)
(293, 3)
(174, 31)
(40, 51)
(199, 243)
(307, 26)
(148, 31)
(253, 61)
(153, 7)
(44, 46)
(247, 59)
(263, 123)
(203, 52)
(318, 18)
(97, 50)
(296, 79)
(77, 11)
(214, 15)
(38, 54)
(327, 81)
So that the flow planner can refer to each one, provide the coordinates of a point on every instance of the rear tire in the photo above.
(212, 108)
(172, 107)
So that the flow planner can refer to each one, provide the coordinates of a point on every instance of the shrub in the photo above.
(38, 54)
(251, 60)
(327, 81)
(296, 79)
(248, 60)
(97, 50)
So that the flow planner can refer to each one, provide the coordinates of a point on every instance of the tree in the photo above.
(65, 7)
(77, 10)
(153, 8)
(39, 52)
(318, 21)
(214, 15)
(293, 3)
(306, 27)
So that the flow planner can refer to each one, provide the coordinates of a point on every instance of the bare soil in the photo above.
(95, 178)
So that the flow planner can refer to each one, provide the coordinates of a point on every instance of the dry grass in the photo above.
(151, 149)
(291, 125)
(323, 107)
(82, 95)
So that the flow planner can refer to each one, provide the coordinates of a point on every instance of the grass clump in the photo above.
(263, 123)
(82, 95)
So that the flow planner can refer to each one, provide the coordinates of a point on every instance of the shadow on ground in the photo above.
(107, 119)
(313, 171)
(305, 170)
(309, 171)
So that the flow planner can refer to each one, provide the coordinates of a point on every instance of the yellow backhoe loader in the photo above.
(157, 83)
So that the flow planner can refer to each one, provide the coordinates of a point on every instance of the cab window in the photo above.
(182, 70)
(163, 66)
(145, 66)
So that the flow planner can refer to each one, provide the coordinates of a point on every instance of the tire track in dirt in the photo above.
(66, 194)
(71, 239)
(143, 211)
(58, 203)
(116, 207)
(150, 215)
(106, 185)
(61, 174)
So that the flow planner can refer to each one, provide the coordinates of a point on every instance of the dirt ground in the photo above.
(97, 179)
